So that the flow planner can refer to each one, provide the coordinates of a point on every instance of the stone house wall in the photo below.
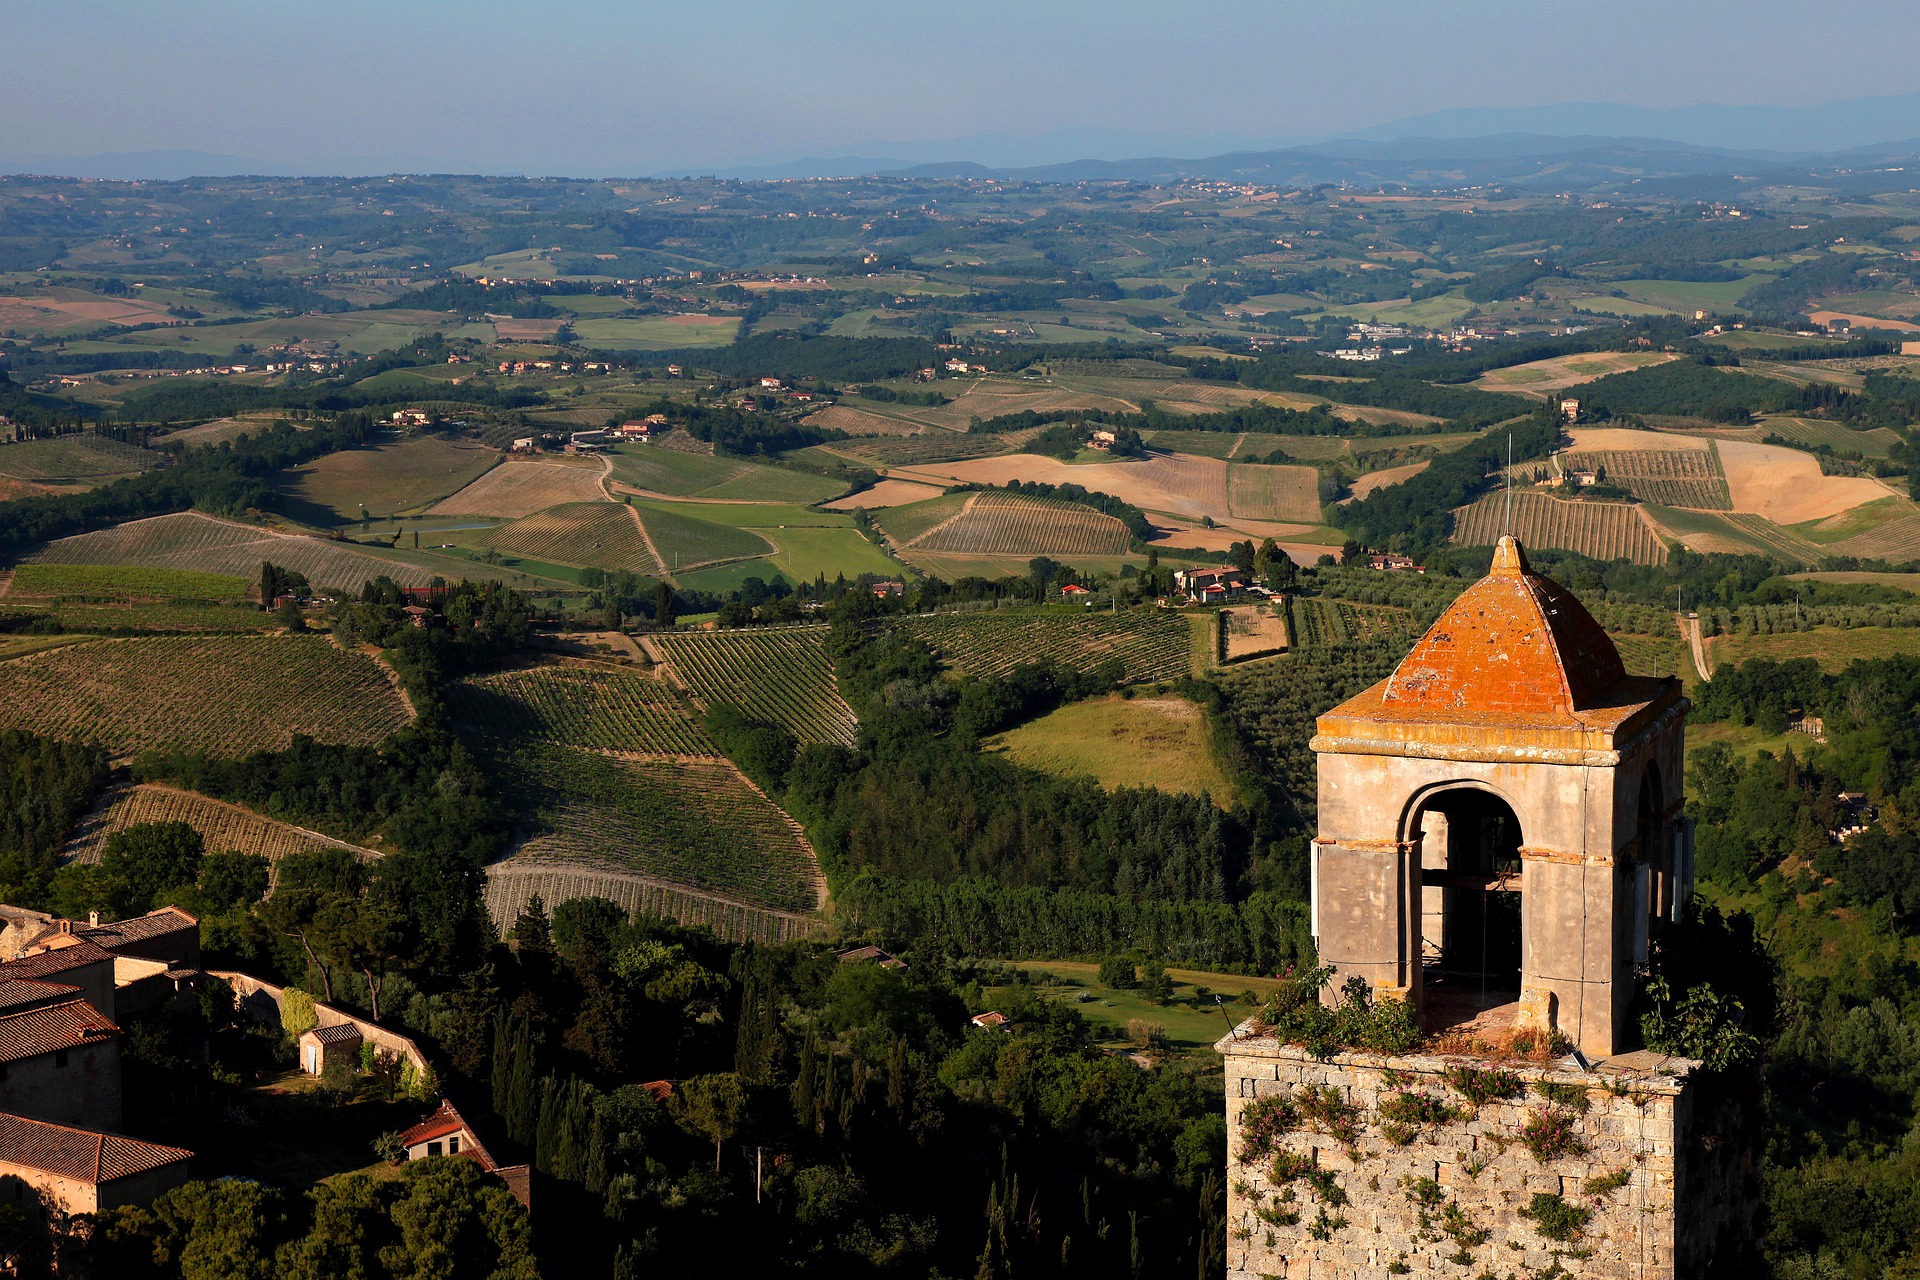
(79, 1087)
(1456, 1195)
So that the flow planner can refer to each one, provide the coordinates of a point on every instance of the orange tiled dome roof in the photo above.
(1513, 642)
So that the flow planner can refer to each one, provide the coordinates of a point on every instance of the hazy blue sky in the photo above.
(589, 87)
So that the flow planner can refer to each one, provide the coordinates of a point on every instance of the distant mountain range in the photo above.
(1573, 145)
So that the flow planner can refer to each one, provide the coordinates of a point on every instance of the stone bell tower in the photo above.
(1500, 835)
(1500, 819)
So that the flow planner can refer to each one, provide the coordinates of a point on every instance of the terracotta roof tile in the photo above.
(22, 993)
(154, 924)
(1514, 642)
(61, 1026)
(59, 960)
(84, 1155)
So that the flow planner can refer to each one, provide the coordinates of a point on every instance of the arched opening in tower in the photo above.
(1470, 901)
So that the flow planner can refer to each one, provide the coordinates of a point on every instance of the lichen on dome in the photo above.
(1512, 642)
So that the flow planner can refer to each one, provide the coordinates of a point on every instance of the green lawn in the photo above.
(1193, 1022)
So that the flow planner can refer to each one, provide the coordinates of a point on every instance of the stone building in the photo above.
(1500, 839)
(50, 1167)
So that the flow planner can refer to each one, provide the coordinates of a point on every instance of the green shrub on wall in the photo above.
(297, 1016)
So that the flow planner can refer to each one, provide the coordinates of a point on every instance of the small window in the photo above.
(59, 1057)
(433, 1148)
(453, 1145)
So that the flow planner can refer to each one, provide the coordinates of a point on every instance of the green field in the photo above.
(652, 333)
(596, 535)
(226, 695)
(777, 674)
(684, 541)
(74, 459)
(1691, 295)
(598, 709)
(696, 823)
(805, 554)
(1832, 647)
(1192, 1022)
(1836, 435)
(383, 480)
(1122, 742)
(114, 581)
(910, 520)
(1151, 644)
(189, 540)
(703, 475)
(357, 332)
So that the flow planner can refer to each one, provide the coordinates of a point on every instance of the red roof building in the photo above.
(83, 1170)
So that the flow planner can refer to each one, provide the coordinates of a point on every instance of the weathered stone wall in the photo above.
(1387, 1167)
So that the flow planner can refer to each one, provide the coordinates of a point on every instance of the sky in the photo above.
(594, 88)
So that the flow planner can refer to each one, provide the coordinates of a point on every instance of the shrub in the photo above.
(297, 1016)
(1482, 1085)
(1555, 1219)
(1263, 1122)
(1117, 972)
(1322, 1107)
(1551, 1134)
(1570, 1096)
(1607, 1183)
(1356, 1020)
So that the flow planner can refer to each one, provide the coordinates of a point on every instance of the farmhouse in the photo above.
(772, 384)
(447, 1133)
(82, 1170)
(61, 1062)
(1103, 440)
(1393, 562)
(886, 589)
(525, 444)
(1208, 586)
(870, 955)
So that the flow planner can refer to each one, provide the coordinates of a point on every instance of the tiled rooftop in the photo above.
(83, 1155)
(59, 960)
(30, 1033)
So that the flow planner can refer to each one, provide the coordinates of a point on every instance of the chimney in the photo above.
(93, 919)
(66, 926)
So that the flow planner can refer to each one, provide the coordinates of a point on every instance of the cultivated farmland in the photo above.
(599, 709)
(190, 540)
(115, 582)
(777, 674)
(512, 884)
(698, 824)
(1669, 477)
(603, 535)
(1014, 524)
(74, 459)
(226, 695)
(384, 479)
(1151, 644)
(1286, 494)
(226, 828)
(684, 541)
(1897, 541)
(909, 521)
(1602, 530)
(520, 487)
